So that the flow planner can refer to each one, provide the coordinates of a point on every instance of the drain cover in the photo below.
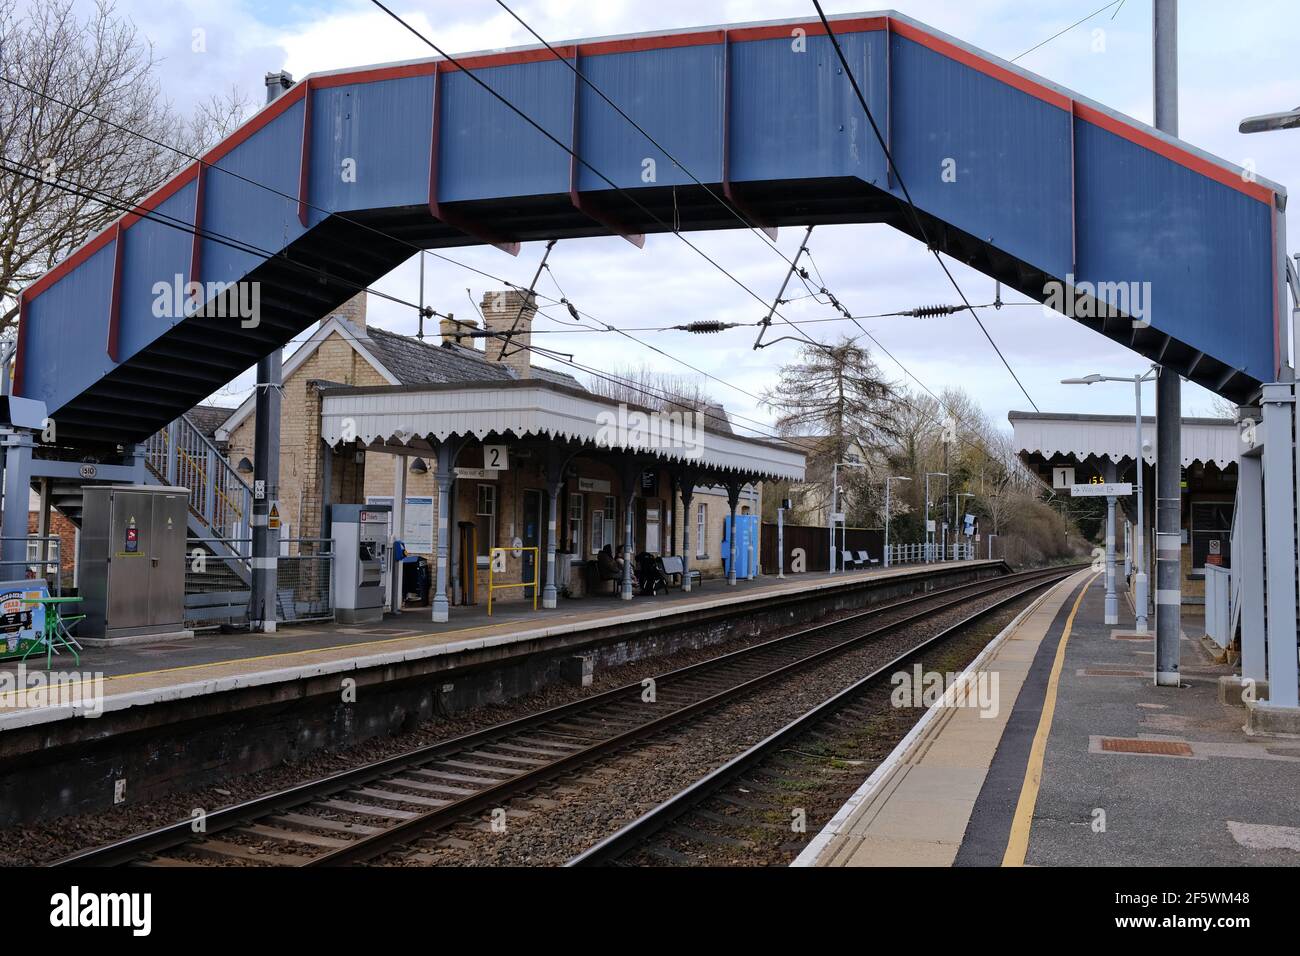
(1132, 745)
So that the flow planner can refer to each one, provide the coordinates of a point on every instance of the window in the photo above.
(652, 543)
(1211, 533)
(701, 531)
(611, 519)
(574, 542)
(486, 518)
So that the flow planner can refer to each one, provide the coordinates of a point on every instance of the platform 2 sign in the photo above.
(20, 623)
(1105, 489)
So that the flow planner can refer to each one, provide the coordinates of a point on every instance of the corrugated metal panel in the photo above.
(793, 114)
(487, 151)
(675, 95)
(1205, 248)
(1011, 153)
(251, 214)
(385, 129)
(153, 254)
(67, 332)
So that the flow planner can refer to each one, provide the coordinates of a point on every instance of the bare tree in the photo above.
(70, 87)
(837, 395)
(660, 391)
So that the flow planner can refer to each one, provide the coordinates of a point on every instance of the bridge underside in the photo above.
(1011, 175)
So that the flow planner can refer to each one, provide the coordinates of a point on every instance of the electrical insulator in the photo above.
(705, 326)
(933, 311)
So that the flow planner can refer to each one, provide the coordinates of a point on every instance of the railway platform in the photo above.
(1082, 763)
(196, 709)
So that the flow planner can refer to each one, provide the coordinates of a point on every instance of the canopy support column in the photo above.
(733, 498)
(443, 475)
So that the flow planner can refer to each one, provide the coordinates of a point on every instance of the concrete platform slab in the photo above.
(1093, 766)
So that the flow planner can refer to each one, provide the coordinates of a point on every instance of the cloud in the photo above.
(1230, 68)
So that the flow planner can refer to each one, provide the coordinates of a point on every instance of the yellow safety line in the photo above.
(332, 647)
(305, 650)
(1018, 843)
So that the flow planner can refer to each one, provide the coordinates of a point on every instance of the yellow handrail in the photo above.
(216, 488)
(535, 583)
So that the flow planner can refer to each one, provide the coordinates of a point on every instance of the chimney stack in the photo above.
(456, 331)
(501, 313)
(352, 313)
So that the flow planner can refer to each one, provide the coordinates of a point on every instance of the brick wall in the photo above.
(301, 461)
(501, 312)
(62, 528)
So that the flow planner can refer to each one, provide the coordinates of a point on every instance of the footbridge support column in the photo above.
(1280, 545)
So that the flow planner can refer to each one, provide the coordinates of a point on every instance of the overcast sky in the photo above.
(1232, 65)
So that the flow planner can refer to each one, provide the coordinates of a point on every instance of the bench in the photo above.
(865, 560)
(674, 567)
(596, 580)
(847, 561)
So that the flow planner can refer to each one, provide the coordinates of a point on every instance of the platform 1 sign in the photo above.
(1119, 489)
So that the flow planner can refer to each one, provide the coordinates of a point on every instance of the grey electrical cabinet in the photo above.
(131, 561)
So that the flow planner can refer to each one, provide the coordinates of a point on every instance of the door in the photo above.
(167, 560)
(129, 549)
(532, 535)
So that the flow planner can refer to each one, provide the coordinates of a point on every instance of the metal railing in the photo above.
(182, 456)
(923, 553)
(216, 593)
(44, 560)
(305, 580)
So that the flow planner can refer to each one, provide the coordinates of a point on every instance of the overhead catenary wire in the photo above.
(1060, 33)
(916, 218)
(250, 248)
(128, 208)
(547, 353)
(575, 156)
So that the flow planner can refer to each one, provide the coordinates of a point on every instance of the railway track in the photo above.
(362, 813)
(716, 819)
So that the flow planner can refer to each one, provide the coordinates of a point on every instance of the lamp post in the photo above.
(1140, 588)
(929, 535)
(887, 481)
(835, 497)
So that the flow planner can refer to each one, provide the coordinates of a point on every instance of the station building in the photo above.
(1104, 448)
(371, 416)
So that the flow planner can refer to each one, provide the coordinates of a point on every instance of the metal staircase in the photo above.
(221, 502)
(179, 455)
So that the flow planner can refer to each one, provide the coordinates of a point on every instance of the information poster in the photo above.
(417, 529)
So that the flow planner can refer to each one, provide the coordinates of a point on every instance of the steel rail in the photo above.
(175, 835)
(644, 827)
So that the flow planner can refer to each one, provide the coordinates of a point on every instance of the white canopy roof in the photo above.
(388, 415)
(1204, 440)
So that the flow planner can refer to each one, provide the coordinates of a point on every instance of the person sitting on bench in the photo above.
(610, 567)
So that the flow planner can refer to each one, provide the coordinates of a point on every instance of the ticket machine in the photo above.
(362, 561)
